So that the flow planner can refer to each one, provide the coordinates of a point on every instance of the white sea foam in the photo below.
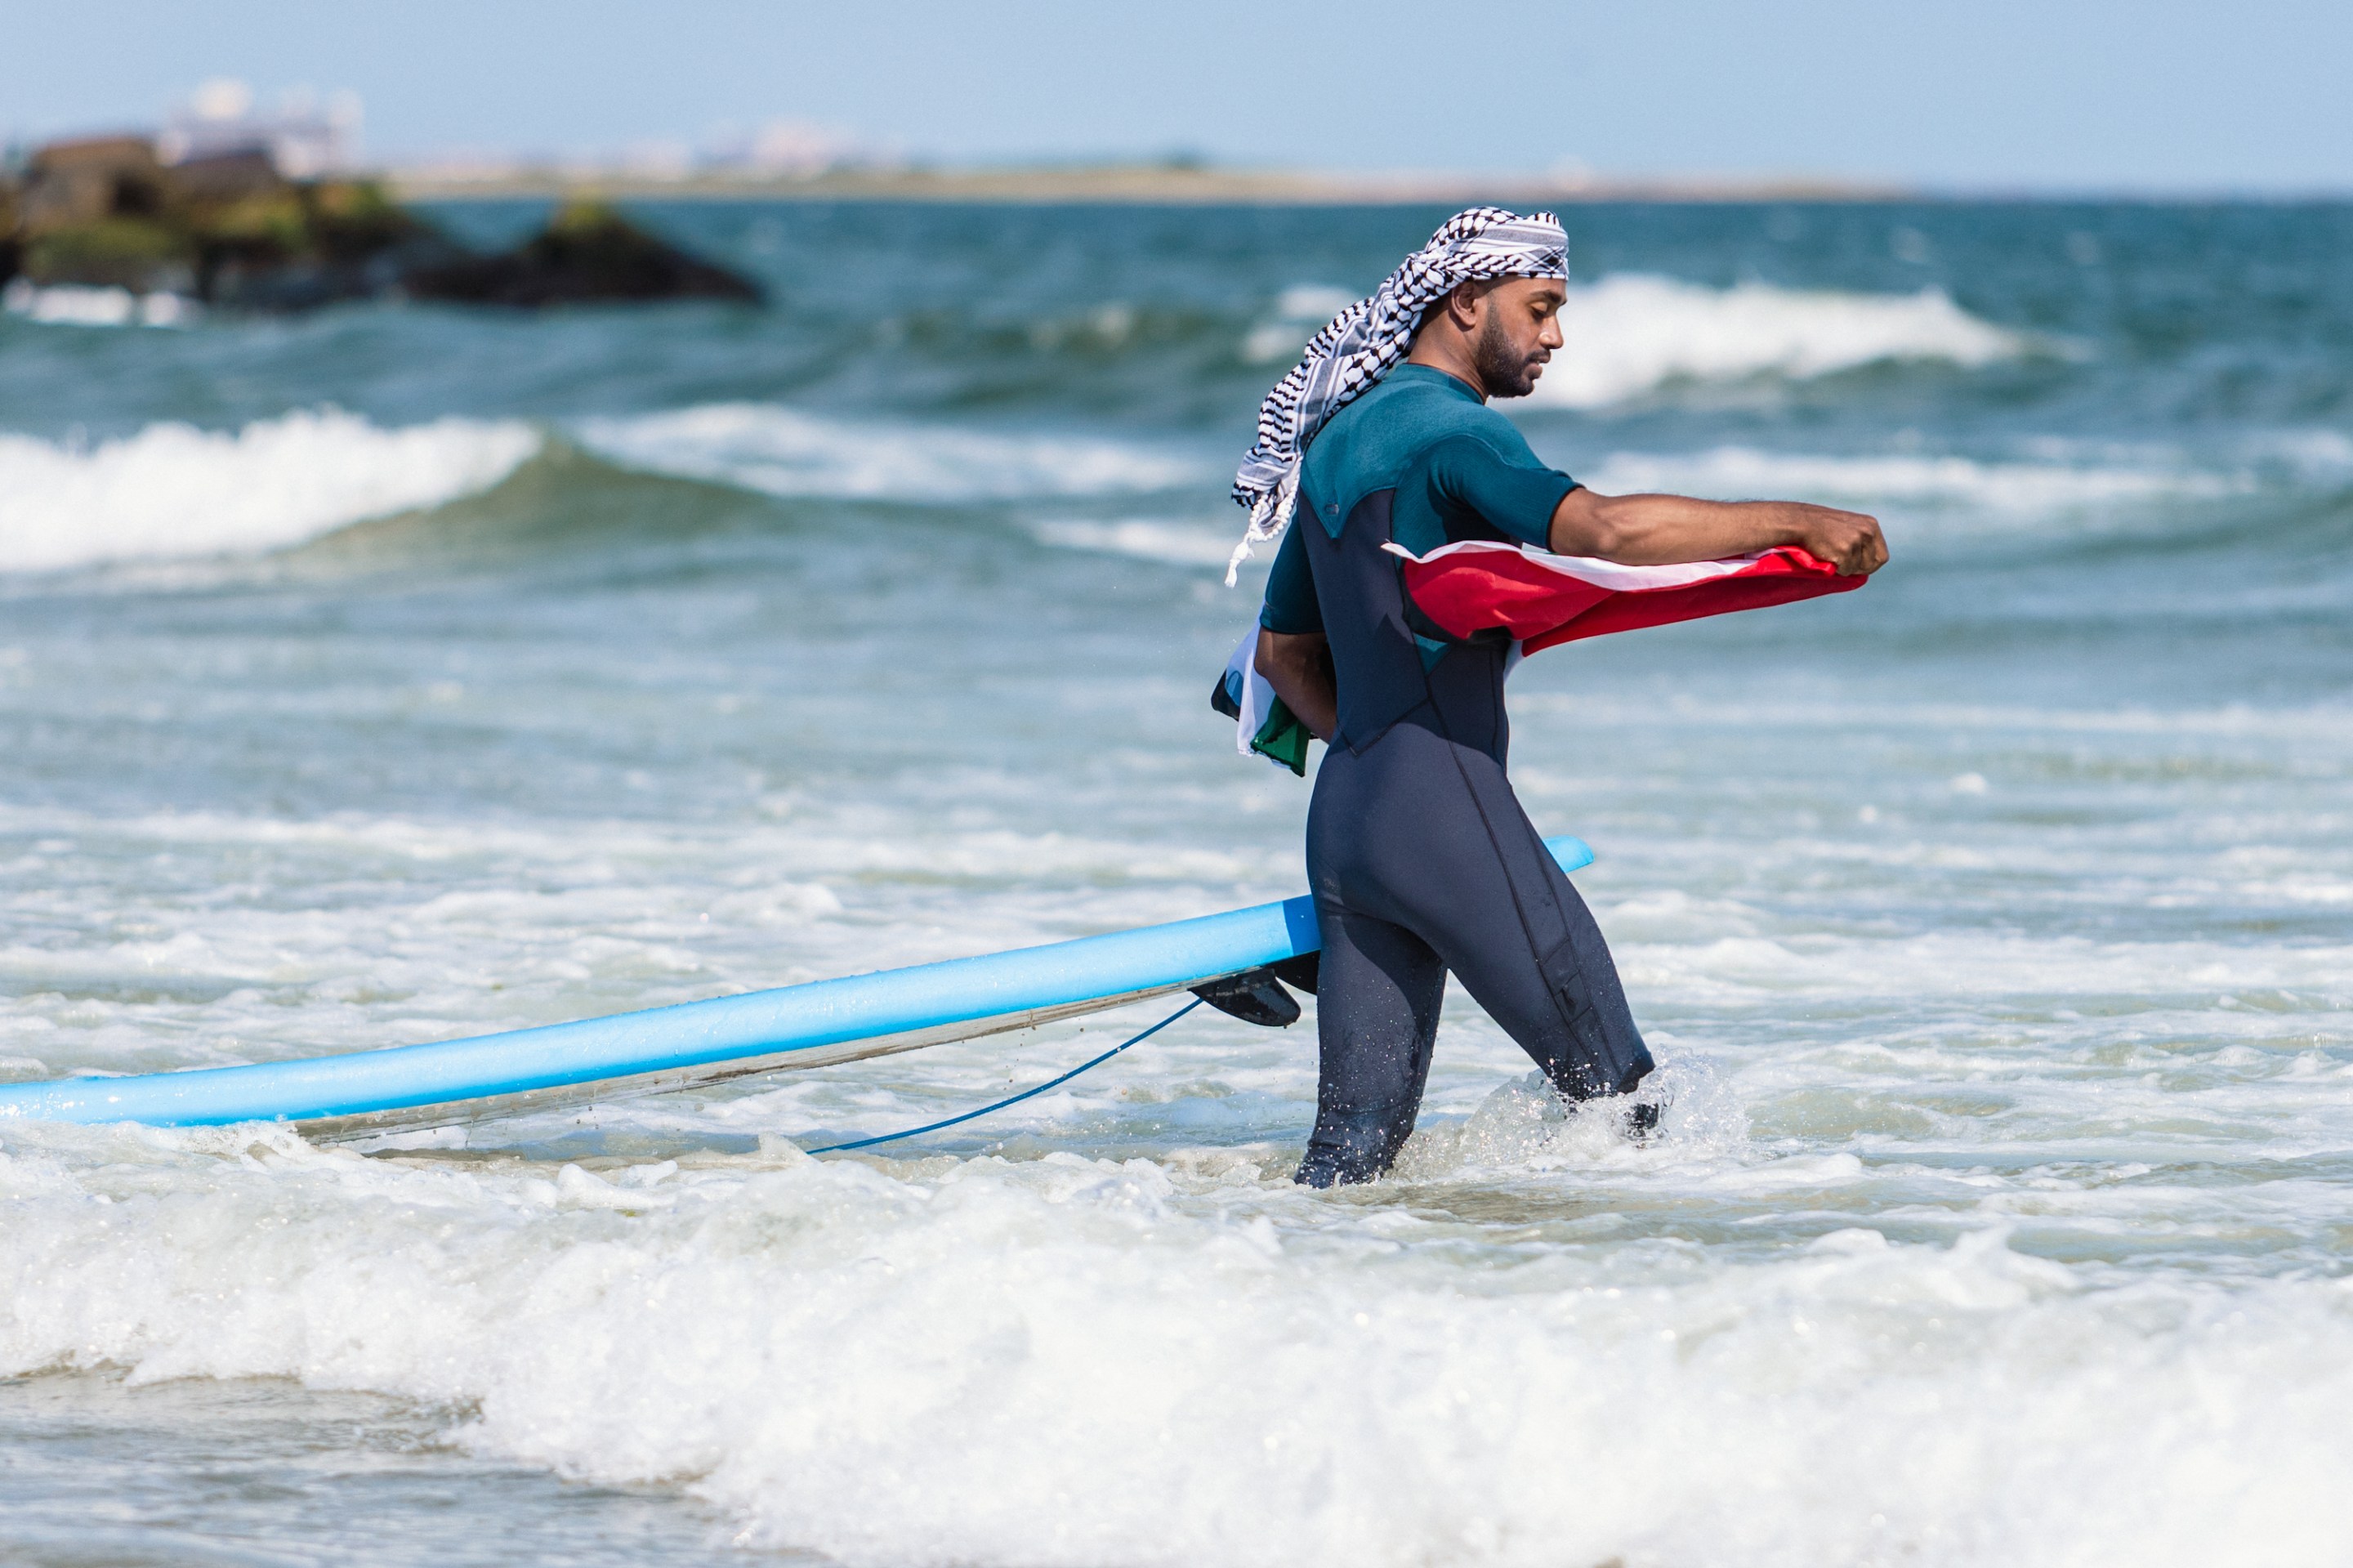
(2016, 489)
(1086, 1361)
(1631, 333)
(782, 451)
(69, 304)
(1299, 312)
(1178, 543)
(1754, 968)
(173, 491)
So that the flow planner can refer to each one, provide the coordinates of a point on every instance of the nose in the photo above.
(1550, 337)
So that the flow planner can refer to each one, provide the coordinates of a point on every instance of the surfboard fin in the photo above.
(1254, 996)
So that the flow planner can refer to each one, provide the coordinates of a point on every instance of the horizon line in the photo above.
(1187, 181)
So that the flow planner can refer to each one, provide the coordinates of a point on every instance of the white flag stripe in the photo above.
(1253, 692)
(1601, 574)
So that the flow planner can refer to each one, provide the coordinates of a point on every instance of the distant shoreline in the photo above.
(1139, 184)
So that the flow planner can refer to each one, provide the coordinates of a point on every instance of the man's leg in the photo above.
(1376, 1000)
(1568, 1009)
(1504, 918)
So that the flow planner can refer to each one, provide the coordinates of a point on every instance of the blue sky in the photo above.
(2094, 94)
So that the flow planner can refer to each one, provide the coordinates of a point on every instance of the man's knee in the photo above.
(1598, 1061)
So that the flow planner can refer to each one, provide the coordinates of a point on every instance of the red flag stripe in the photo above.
(1543, 600)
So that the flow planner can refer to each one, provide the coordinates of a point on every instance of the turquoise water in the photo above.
(394, 674)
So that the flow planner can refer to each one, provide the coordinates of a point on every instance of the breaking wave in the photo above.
(1168, 540)
(177, 493)
(1300, 312)
(1632, 334)
(2020, 489)
(778, 451)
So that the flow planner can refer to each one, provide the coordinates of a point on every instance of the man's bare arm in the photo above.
(1664, 530)
(1298, 665)
(1638, 530)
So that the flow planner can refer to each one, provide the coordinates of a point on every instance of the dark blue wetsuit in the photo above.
(1420, 859)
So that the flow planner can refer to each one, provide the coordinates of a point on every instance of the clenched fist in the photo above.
(1851, 541)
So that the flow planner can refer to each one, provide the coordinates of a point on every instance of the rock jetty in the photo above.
(587, 253)
(232, 231)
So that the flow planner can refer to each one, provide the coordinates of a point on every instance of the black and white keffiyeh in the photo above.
(1367, 341)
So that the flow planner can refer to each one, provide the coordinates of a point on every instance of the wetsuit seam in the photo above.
(1495, 847)
(1429, 691)
(1504, 863)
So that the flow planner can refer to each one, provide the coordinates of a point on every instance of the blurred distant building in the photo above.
(647, 160)
(70, 184)
(303, 139)
(783, 148)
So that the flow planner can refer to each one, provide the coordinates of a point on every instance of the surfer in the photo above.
(1420, 860)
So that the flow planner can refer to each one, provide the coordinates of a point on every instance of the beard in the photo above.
(1506, 371)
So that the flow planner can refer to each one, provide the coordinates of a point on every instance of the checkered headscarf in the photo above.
(1365, 343)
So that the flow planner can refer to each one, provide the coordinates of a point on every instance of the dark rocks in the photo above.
(232, 231)
(298, 246)
(587, 253)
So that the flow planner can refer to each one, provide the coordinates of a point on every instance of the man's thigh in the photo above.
(1377, 995)
(1503, 916)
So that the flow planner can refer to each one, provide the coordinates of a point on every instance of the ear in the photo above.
(1463, 305)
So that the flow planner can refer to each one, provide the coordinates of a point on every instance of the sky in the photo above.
(2027, 95)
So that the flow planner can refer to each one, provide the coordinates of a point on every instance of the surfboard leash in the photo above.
(1015, 1099)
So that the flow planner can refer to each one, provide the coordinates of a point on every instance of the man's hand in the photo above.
(1667, 530)
(1851, 541)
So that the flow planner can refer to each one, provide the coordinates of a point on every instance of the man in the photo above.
(1420, 857)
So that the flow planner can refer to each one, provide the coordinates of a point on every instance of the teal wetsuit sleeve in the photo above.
(1512, 492)
(1290, 606)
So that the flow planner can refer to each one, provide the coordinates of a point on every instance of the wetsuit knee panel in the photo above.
(1607, 1061)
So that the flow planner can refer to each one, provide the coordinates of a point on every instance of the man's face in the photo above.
(1519, 329)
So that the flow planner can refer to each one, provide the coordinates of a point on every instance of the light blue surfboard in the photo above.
(697, 1044)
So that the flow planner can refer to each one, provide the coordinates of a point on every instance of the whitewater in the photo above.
(396, 675)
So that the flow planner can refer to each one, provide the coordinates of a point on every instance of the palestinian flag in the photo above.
(1541, 599)
(1264, 725)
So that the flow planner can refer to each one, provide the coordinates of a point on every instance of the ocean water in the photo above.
(394, 674)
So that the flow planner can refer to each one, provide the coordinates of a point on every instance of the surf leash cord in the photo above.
(1013, 1099)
